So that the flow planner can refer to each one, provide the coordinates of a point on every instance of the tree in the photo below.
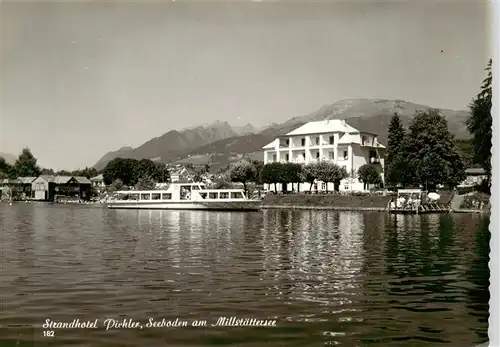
(145, 183)
(243, 172)
(271, 174)
(26, 165)
(480, 122)
(116, 185)
(206, 168)
(87, 172)
(395, 143)
(222, 184)
(401, 170)
(329, 172)
(47, 172)
(120, 168)
(63, 173)
(197, 177)
(368, 174)
(430, 150)
(258, 164)
(292, 174)
(144, 168)
(6, 170)
(309, 173)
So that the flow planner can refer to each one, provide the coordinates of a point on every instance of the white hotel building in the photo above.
(329, 140)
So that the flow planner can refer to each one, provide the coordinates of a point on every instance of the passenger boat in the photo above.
(184, 196)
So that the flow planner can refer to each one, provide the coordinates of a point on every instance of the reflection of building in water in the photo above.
(315, 255)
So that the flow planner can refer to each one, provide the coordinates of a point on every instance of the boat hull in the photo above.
(252, 205)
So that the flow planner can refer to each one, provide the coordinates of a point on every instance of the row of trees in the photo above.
(274, 173)
(26, 166)
(131, 172)
(425, 155)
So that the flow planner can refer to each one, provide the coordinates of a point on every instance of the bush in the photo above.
(360, 193)
(478, 201)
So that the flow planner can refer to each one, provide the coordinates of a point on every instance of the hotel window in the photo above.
(373, 154)
(331, 140)
(345, 155)
(323, 186)
(287, 157)
(166, 196)
(303, 142)
(331, 155)
(317, 155)
(316, 140)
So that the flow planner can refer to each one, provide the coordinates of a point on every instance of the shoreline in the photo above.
(367, 203)
(354, 209)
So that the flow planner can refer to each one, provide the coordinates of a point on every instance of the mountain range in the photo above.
(219, 143)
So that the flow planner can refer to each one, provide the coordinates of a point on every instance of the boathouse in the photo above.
(47, 187)
(19, 188)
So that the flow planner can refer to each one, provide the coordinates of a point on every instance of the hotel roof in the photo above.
(324, 126)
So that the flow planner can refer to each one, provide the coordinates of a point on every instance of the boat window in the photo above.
(196, 188)
(203, 195)
(236, 195)
(166, 196)
(213, 195)
(124, 197)
(145, 196)
(155, 196)
(224, 195)
(134, 197)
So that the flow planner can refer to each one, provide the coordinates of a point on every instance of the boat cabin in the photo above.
(182, 192)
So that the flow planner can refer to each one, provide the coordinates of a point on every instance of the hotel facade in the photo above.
(332, 141)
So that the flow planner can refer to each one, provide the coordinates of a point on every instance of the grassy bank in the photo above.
(327, 201)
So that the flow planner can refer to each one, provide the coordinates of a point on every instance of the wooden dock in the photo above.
(419, 208)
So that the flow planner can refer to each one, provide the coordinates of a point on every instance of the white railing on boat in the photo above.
(195, 195)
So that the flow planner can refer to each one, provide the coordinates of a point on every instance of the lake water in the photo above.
(328, 278)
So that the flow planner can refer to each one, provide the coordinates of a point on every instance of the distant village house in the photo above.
(48, 187)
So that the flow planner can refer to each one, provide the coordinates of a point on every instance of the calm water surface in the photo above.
(328, 278)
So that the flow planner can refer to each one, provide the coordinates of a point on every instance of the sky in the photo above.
(81, 79)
